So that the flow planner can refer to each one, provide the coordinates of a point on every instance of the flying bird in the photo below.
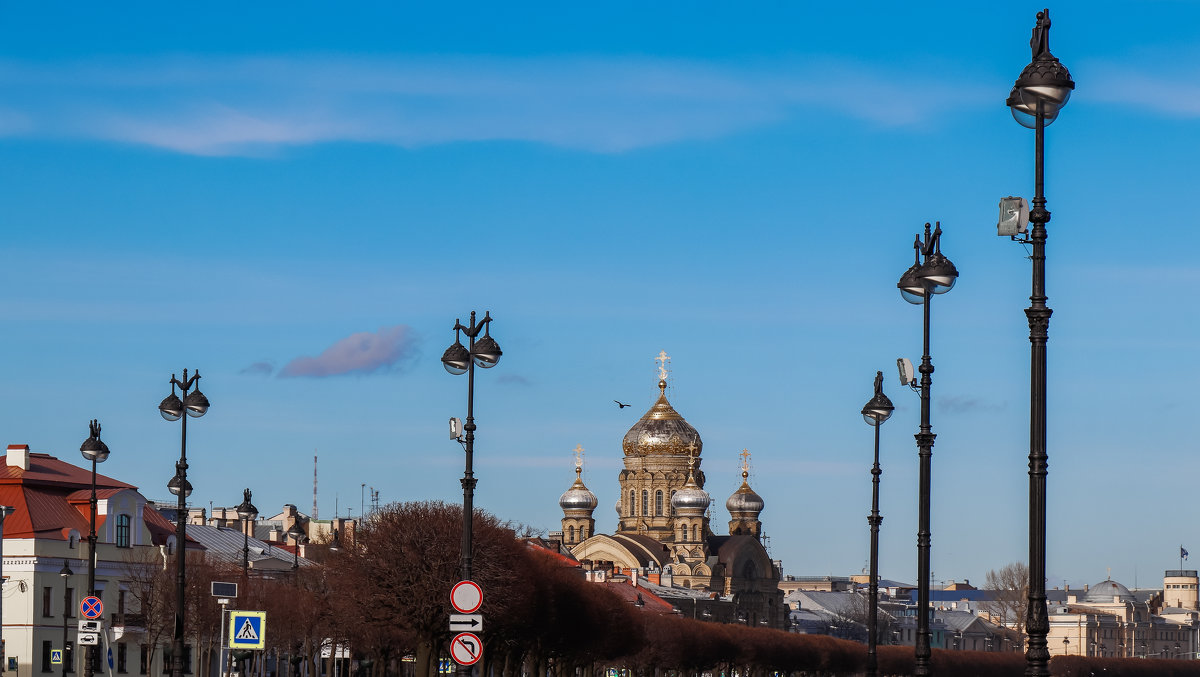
(621, 405)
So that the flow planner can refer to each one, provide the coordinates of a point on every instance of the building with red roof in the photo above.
(45, 557)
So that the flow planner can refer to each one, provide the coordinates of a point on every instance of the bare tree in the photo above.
(1009, 589)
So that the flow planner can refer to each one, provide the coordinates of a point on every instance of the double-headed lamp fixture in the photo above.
(485, 351)
(172, 408)
(936, 275)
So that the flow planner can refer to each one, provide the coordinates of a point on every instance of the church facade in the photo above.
(663, 521)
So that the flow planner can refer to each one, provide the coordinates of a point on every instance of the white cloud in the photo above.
(252, 105)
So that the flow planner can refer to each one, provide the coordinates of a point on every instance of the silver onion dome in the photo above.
(744, 500)
(578, 497)
(691, 497)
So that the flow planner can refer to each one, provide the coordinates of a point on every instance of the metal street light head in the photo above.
(178, 484)
(486, 352)
(93, 448)
(1045, 85)
(246, 510)
(880, 408)
(171, 407)
(456, 359)
(66, 570)
(911, 287)
(196, 404)
(937, 273)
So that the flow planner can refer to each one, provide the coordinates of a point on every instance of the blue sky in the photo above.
(300, 200)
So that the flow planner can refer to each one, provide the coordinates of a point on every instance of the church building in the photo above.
(663, 528)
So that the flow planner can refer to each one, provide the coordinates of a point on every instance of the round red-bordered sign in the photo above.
(466, 597)
(91, 607)
(466, 649)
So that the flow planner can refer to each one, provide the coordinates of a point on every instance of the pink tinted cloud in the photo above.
(359, 353)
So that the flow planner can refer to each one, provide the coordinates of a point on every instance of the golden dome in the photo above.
(662, 431)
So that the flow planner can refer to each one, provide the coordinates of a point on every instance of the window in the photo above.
(122, 532)
(144, 659)
(122, 666)
(46, 646)
(645, 502)
(694, 532)
(672, 503)
(658, 503)
(683, 533)
(570, 534)
(632, 505)
(47, 604)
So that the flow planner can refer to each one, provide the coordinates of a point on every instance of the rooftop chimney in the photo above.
(18, 456)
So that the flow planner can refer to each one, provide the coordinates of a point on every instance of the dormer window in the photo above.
(122, 533)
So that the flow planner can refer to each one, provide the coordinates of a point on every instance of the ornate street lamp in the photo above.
(459, 359)
(247, 513)
(66, 574)
(934, 275)
(296, 533)
(875, 412)
(1040, 92)
(195, 405)
(95, 450)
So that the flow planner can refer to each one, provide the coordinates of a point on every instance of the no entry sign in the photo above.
(466, 597)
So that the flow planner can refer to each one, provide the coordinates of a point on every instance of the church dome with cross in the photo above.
(664, 530)
(661, 430)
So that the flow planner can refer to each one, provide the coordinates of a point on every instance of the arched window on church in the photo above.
(658, 503)
(694, 532)
(683, 533)
(672, 503)
(632, 505)
(749, 571)
(570, 534)
(645, 502)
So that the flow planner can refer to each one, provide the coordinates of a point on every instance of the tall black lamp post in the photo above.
(247, 513)
(935, 275)
(194, 404)
(1039, 93)
(66, 574)
(878, 410)
(459, 359)
(95, 450)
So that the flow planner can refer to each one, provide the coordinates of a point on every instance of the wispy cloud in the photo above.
(514, 379)
(964, 404)
(261, 368)
(247, 106)
(359, 353)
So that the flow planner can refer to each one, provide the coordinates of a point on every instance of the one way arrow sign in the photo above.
(466, 622)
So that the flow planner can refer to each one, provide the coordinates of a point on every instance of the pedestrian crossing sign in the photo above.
(247, 629)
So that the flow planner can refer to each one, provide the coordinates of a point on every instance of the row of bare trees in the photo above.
(387, 597)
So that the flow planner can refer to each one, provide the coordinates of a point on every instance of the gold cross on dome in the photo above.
(578, 455)
(745, 460)
(691, 448)
(664, 360)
